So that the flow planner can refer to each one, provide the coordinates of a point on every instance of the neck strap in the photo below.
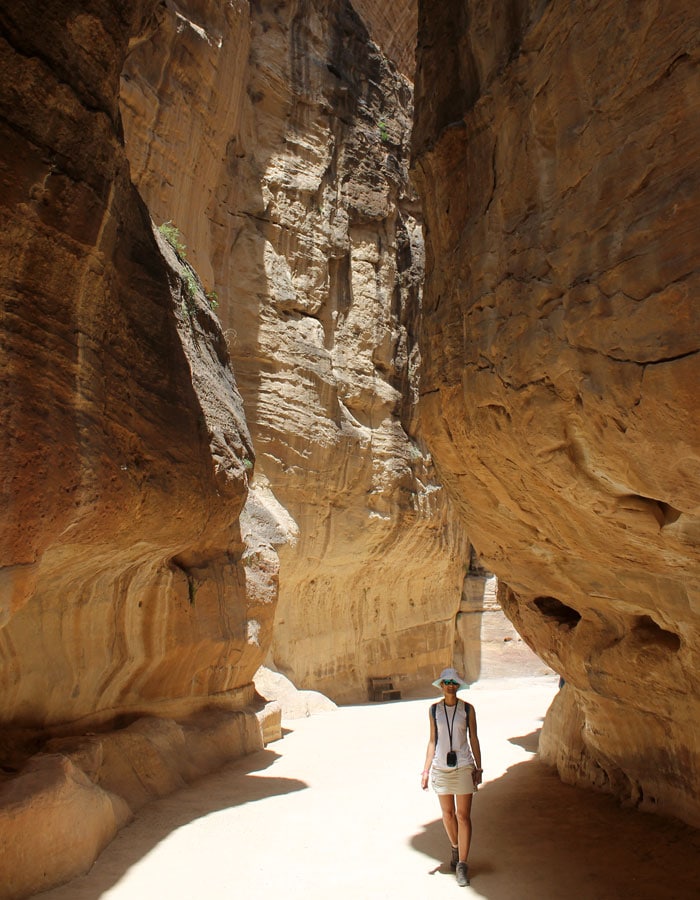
(450, 727)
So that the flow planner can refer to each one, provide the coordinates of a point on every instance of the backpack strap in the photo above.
(433, 711)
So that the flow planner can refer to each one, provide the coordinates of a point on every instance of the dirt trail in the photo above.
(335, 811)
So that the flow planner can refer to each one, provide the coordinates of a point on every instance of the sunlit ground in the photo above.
(335, 810)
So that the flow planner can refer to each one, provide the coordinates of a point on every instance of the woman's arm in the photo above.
(429, 753)
(476, 746)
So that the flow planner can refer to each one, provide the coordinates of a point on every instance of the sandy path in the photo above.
(335, 811)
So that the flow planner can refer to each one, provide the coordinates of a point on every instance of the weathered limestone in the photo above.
(296, 207)
(556, 153)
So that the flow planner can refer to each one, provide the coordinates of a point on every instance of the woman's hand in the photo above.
(424, 779)
(477, 776)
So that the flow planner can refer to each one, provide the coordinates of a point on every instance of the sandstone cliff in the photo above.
(276, 138)
(556, 152)
(139, 568)
(126, 585)
(554, 148)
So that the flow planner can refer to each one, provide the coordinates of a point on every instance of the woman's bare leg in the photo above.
(449, 817)
(464, 824)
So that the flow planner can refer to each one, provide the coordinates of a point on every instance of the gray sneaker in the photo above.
(462, 874)
(455, 857)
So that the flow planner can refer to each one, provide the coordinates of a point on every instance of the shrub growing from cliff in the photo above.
(173, 236)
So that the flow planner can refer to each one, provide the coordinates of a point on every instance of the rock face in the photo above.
(293, 704)
(393, 28)
(486, 643)
(70, 800)
(140, 557)
(556, 155)
(296, 203)
(139, 569)
(126, 585)
(124, 437)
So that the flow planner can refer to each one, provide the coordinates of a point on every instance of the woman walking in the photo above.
(453, 762)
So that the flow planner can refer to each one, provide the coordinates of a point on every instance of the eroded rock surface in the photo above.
(295, 202)
(124, 440)
(556, 152)
(69, 801)
(126, 586)
(294, 704)
(393, 28)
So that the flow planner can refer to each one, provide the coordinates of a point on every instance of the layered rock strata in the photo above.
(556, 154)
(127, 587)
(125, 452)
(393, 28)
(294, 199)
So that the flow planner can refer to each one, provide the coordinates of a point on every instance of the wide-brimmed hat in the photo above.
(450, 675)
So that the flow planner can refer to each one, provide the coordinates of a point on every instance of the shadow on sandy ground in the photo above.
(234, 785)
(536, 838)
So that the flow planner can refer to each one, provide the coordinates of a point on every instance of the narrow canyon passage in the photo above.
(335, 810)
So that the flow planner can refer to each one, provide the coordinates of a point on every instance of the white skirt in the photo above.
(453, 781)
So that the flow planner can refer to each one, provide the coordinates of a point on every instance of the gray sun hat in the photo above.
(450, 675)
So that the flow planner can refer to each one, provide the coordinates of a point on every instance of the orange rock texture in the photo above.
(556, 155)
(125, 445)
(128, 585)
(539, 398)
(295, 200)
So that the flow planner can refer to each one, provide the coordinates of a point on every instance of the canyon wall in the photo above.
(487, 646)
(158, 513)
(140, 567)
(556, 154)
(134, 580)
(275, 137)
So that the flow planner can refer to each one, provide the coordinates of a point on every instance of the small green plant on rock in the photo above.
(172, 235)
(383, 131)
(189, 291)
(213, 299)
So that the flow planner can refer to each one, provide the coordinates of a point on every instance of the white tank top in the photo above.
(460, 741)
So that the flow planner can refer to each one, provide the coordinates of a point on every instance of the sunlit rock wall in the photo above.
(556, 155)
(275, 137)
(124, 439)
(128, 585)
(487, 646)
(393, 28)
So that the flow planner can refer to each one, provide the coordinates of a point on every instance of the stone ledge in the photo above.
(69, 801)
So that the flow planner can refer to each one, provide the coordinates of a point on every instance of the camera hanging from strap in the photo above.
(452, 754)
(451, 758)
